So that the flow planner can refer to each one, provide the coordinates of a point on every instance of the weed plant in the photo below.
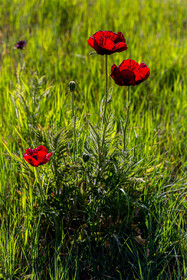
(110, 202)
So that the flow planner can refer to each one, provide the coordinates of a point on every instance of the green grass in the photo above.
(121, 214)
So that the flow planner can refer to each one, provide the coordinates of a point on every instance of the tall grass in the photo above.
(114, 207)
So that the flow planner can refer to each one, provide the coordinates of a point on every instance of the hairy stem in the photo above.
(127, 118)
(106, 89)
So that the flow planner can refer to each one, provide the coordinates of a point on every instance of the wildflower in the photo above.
(129, 72)
(37, 156)
(107, 42)
(20, 45)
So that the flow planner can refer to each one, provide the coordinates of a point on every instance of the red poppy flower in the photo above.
(37, 156)
(129, 72)
(107, 42)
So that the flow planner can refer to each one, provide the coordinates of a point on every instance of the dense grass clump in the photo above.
(110, 202)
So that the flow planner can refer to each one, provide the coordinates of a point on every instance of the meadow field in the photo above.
(108, 200)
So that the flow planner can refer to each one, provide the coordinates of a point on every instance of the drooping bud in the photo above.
(72, 86)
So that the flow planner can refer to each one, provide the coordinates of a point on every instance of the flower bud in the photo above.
(72, 86)
(86, 157)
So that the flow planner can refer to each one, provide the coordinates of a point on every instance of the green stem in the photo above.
(106, 88)
(20, 67)
(21, 60)
(38, 181)
(104, 118)
(106, 99)
(127, 118)
(74, 124)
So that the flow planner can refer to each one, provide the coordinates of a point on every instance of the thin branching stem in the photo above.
(74, 124)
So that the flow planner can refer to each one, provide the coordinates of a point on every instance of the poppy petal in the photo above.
(110, 35)
(40, 148)
(91, 42)
(119, 47)
(31, 160)
(127, 77)
(47, 158)
(41, 156)
(142, 73)
(28, 151)
(106, 43)
(105, 34)
(122, 78)
(115, 72)
(120, 38)
(128, 64)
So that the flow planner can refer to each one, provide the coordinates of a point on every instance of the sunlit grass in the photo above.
(126, 221)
